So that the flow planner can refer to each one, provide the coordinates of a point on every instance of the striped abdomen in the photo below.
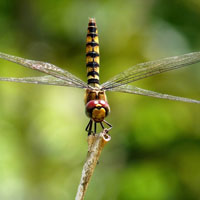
(92, 54)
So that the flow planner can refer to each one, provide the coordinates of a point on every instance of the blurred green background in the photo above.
(155, 149)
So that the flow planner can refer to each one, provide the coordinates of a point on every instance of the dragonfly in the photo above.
(96, 104)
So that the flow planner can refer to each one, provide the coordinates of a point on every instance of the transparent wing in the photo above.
(147, 69)
(47, 68)
(135, 90)
(46, 80)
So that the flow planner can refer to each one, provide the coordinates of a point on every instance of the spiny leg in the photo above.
(95, 127)
(90, 124)
(102, 125)
(86, 129)
(89, 127)
(110, 126)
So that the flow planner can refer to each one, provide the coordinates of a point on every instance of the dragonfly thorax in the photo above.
(97, 110)
(94, 94)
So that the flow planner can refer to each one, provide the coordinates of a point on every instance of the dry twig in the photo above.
(95, 146)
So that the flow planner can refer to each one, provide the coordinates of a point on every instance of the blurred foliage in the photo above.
(155, 148)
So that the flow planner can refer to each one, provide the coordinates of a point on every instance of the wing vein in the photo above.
(47, 68)
(139, 91)
(144, 70)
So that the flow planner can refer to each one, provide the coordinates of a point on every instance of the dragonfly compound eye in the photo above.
(97, 110)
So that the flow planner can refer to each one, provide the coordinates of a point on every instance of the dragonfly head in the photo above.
(97, 110)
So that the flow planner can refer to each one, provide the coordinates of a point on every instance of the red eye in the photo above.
(105, 105)
(91, 104)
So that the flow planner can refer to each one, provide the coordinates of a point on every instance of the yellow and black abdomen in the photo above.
(92, 54)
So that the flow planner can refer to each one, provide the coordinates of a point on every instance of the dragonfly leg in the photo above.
(90, 124)
(102, 125)
(89, 127)
(110, 126)
(95, 127)
(86, 129)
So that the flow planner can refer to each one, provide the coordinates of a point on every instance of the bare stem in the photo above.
(95, 146)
